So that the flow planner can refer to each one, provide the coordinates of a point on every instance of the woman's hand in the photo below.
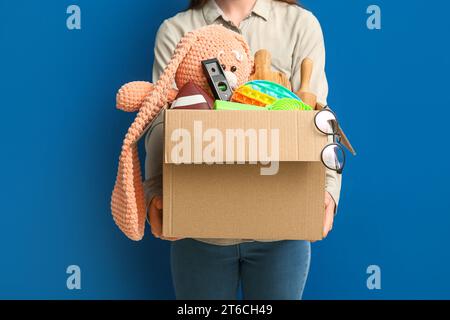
(155, 217)
(330, 207)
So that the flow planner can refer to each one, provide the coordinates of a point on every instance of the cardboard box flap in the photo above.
(203, 136)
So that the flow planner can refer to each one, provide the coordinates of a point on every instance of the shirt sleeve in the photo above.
(165, 44)
(310, 44)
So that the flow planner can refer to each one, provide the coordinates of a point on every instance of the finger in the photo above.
(325, 229)
(155, 235)
(155, 220)
(329, 226)
(328, 222)
(158, 203)
(329, 206)
(329, 212)
(327, 199)
(326, 232)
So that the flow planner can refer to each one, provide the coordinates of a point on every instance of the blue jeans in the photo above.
(266, 270)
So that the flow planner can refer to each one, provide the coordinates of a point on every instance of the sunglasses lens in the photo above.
(333, 157)
(326, 122)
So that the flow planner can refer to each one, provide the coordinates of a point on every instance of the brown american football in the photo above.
(191, 96)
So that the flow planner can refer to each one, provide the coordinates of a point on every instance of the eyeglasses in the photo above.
(333, 155)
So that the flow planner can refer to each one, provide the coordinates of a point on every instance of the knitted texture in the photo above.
(132, 95)
(216, 42)
(128, 203)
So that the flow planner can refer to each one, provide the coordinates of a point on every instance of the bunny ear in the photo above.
(164, 84)
(160, 93)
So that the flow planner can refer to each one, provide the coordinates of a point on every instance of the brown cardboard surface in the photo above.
(235, 200)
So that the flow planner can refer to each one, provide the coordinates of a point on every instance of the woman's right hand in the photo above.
(155, 217)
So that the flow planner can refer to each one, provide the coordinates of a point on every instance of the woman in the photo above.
(214, 268)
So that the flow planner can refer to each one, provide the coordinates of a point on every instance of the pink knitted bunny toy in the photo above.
(128, 203)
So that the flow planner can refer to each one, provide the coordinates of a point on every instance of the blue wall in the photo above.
(61, 138)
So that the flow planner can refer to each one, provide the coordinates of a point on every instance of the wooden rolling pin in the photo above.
(305, 77)
(263, 70)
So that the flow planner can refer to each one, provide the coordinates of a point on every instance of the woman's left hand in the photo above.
(330, 207)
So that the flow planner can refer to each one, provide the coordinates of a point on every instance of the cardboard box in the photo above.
(273, 190)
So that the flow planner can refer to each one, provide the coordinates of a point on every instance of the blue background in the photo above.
(61, 137)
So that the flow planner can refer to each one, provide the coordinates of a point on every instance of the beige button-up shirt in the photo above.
(289, 32)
